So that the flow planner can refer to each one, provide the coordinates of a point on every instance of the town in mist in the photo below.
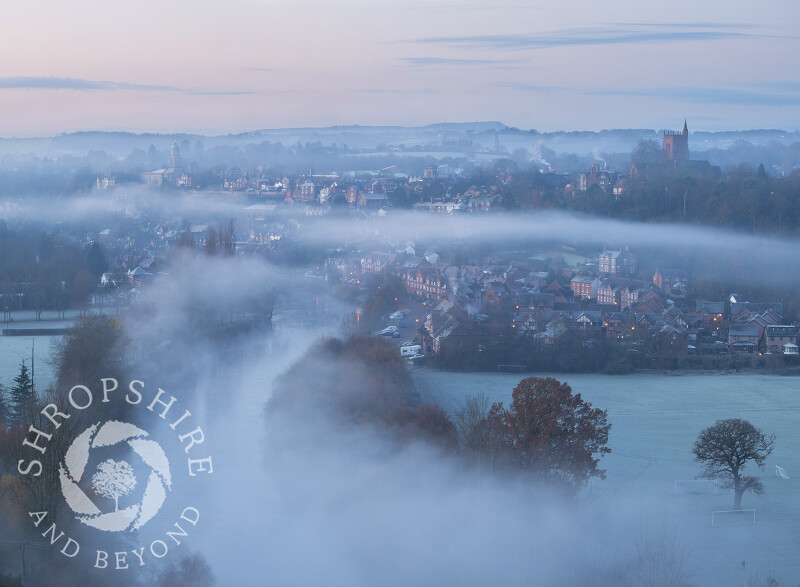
(387, 294)
(343, 338)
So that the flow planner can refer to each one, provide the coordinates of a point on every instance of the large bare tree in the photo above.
(726, 448)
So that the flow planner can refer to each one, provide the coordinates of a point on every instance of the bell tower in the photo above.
(676, 145)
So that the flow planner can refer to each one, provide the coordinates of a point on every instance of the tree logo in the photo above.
(114, 479)
(114, 476)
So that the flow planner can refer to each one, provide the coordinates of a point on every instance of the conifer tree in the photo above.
(4, 415)
(22, 398)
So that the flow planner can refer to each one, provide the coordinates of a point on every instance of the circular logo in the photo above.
(113, 479)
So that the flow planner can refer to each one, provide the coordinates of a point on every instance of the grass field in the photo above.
(655, 419)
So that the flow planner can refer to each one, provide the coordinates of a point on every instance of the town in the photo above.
(560, 306)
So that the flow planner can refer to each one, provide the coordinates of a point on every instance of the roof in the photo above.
(781, 329)
(744, 330)
(711, 307)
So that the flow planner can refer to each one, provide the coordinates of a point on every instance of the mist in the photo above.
(306, 501)
(299, 499)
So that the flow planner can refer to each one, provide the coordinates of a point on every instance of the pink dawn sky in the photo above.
(219, 67)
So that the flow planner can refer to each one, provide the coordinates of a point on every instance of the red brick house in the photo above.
(376, 263)
(629, 297)
(616, 263)
(778, 335)
(709, 315)
(670, 341)
(609, 295)
(425, 282)
(744, 337)
(669, 279)
(581, 287)
(614, 325)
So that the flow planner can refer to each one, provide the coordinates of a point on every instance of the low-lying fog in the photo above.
(297, 501)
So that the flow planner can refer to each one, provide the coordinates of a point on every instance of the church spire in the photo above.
(685, 128)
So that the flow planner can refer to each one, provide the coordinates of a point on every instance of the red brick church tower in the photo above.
(676, 145)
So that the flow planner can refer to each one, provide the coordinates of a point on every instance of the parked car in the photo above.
(410, 351)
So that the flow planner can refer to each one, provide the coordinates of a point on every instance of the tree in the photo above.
(186, 240)
(227, 239)
(95, 347)
(725, 448)
(211, 242)
(193, 570)
(113, 480)
(23, 398)
(551, 433)
(399, 198)
(475, 409)
(646, 155)
(96, 260)
(4, 409)
(432, 424)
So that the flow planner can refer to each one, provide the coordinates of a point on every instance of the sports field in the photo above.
(655, 419)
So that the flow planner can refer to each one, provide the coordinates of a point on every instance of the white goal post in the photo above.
(696, 487)
(733, 518)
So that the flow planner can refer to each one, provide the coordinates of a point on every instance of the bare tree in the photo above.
(725, 448)
(660, 559)
(475, 409)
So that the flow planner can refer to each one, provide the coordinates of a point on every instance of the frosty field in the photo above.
(655, 419)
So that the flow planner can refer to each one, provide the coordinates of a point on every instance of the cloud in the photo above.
(390, 91)
(71, 83)
(709, 96)
(624, 34)
(536, 88)
(433, 61)
(697, 95)
(687, 25)
(85, 85)
(221, 93)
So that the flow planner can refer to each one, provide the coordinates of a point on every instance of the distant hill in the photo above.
(465, 136)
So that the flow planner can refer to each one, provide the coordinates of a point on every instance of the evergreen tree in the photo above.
(23, 398)
(4, 416)
(96, 260)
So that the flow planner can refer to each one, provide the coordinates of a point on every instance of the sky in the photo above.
(218, 67)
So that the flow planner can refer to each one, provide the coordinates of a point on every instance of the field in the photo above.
(655, 419)
(13, 349)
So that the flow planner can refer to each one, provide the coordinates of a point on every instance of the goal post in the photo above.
(696, 487)
(733, 518)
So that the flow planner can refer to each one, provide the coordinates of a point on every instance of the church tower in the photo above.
(175, 163)
(676, 145)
